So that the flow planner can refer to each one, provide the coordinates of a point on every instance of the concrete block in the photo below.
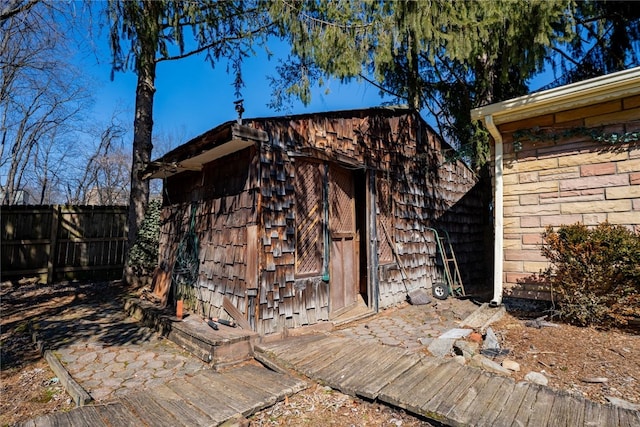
(441, 347)
(456, 333)
(489, 365)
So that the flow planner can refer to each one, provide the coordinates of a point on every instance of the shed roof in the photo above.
(599, 89)
(231, 136)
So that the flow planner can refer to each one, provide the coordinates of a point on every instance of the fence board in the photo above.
(62, 242)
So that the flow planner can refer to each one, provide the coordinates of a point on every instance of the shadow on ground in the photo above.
(63, 313)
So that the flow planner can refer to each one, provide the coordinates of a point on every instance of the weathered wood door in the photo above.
(344, 260)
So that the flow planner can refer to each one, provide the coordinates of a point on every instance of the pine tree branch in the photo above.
(323, 22)
(565, 56)
(380, 87)
(186, 23)
(213, 44)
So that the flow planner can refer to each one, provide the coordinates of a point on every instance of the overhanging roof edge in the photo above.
(599, 89)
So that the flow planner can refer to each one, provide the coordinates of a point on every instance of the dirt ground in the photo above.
(28, 387)
(584, 361)
(323, 406)
(571, 358)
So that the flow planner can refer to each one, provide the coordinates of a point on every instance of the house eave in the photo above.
(195, 163)
(176, 161)
(575, 95)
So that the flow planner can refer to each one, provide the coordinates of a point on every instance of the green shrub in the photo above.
(143, 256)
(594, 273)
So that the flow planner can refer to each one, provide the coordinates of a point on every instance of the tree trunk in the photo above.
(413, 85)
(142, 146)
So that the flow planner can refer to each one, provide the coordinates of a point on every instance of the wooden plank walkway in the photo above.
(208, 398)
(439, 390)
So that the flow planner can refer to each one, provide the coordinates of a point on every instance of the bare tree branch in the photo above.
(15, 7)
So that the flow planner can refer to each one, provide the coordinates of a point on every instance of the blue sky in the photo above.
(192, 97)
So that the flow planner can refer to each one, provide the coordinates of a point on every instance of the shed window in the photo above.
(308, 189)
(385, 220)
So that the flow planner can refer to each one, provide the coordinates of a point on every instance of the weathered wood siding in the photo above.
(226, 195)
(277, 300)
(424, 190)
(252, 207)
(558, 179)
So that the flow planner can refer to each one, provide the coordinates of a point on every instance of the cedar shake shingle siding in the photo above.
(286, 221)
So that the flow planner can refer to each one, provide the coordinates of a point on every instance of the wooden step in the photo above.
(223, 347)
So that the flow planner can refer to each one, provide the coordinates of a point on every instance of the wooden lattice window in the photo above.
(308, 189)
(341, 201)
(384, 220)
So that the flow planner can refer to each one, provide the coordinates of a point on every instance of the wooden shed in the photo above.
(311, 218)
(561, 156)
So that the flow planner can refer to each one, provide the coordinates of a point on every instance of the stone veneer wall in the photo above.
(556, 172)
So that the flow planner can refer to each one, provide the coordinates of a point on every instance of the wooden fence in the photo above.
(55, 243)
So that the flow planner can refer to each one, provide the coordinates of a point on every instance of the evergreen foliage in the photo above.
(594, 273)
(224, 30)
(609, 41)
(445, 56)
(143, 255)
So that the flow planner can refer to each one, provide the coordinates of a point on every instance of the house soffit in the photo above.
(601, 89)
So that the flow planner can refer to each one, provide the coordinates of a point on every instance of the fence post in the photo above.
(53, 243)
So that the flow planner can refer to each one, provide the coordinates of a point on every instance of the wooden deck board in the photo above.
(311, 366)
(254, 392)
(430, 386)
(148, 410)
(328, 356)
(206, 404)
(367, 367)
(301, 348)
(456, 416)
(444, 402)
(628, 418)
(181, 408)
(226, 393)
(87, 416)
(345, 365)
(60, 419)
(264, 379)
(592, 414)
(511, 406)
(600, 415)
(333, 366)
(525, 411)
(325, 353)
(541, 409)
(394, 393)
(386, 372)
(291, 346)
(608, 414)
(117, 414)
(252, 398)
(567, 410)
(490, 401)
